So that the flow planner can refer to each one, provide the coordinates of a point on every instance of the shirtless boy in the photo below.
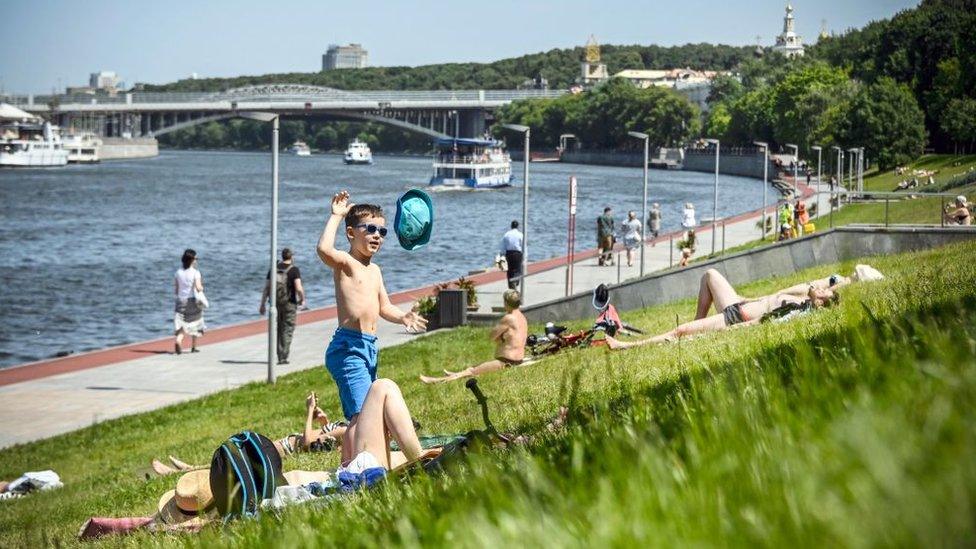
(509, 336)
(361, 299)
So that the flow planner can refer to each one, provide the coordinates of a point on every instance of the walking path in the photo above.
(46, 398)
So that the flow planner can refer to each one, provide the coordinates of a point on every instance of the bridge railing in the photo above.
(324, 94)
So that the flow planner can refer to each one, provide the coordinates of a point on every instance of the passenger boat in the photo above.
(300, 148)
(83, 148)
(31, 145)
(471, 163)
(358, 153)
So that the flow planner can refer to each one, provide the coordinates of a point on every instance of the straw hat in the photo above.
(190, 501)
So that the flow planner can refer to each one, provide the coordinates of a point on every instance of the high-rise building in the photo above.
(103, 80)
(789, 43)
(352, 56)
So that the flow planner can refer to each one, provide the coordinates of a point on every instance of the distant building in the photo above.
(695, 85)
(592, 71)
(352, 56)
(537, 83)
(104, 80)
(789, 43)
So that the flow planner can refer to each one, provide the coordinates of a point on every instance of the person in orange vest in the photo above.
(802, 217)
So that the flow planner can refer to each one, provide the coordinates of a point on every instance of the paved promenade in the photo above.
(47, 398)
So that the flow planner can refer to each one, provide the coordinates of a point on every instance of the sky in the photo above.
(50, 44)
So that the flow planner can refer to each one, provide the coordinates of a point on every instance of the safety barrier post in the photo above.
(886, 212)
(671, 245)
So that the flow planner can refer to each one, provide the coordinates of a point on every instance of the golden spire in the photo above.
(592, 50)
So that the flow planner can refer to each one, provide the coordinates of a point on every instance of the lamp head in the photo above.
(638, 135)
(712, 141)
(516, 127)
(816, 148)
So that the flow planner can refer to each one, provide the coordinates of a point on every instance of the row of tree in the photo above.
(559, 67)
(320, 135)
(600, 118)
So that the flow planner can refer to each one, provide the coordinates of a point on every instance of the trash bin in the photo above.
(452, 308)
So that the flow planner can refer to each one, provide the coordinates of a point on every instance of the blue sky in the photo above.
(52, 41)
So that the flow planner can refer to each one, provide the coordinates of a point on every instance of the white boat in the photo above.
(300, 148)
(472, 163)
(358, 153)
(83, 148)
(31, 145)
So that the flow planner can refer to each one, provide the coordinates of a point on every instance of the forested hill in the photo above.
(559, 66)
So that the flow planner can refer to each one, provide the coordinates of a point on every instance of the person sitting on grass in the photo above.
(322, 438)
(509, 337)
(735, 311)
(960, 214)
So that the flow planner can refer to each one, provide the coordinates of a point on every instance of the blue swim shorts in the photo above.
(351, 359)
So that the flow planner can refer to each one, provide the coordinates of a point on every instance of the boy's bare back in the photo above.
(513, 329)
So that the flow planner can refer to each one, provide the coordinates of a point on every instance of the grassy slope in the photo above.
(741, 452)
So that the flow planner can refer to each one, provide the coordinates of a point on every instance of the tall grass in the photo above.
(851, 426)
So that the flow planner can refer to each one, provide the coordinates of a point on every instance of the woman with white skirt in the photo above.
(188, 318)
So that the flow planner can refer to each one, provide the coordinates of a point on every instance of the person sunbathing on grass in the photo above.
(715, 290)
(509, 335)
(322, 438)
(736, 312)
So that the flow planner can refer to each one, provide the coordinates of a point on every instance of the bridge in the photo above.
(440, 113)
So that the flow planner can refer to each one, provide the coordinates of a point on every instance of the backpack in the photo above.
(282, 295)
(244, 470)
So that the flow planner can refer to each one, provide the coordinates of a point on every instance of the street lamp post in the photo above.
(525, 204)
(715, 196)
(564, 138)
(765, 147)
(647, 141)
(819, 150)
(840, 178)
(273, 310)
(850, 169)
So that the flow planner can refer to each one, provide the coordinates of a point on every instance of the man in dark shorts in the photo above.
(512, 250)
(604, 236)
(289, 296)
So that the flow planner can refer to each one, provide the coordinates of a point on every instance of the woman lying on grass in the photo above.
(736, 311)
(323, 438)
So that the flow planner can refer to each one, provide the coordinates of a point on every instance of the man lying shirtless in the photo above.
(509, 336)
(733, 310)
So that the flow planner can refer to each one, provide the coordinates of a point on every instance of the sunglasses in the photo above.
(371, 229)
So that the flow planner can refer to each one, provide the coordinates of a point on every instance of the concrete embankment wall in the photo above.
(730, 163)
(787, 257)
(114, 148)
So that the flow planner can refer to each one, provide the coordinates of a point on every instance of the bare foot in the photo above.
(613, 344)
(161, 468)
(182, 466)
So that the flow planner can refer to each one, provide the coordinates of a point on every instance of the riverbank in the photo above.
(811, 424)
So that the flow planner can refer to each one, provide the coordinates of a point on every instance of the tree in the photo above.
(885, 119)
(959, 122)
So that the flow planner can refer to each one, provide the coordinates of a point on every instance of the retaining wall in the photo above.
(747, 164)
(835, 245)
(114, 148)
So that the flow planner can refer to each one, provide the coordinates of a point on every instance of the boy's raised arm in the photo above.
(326, 248)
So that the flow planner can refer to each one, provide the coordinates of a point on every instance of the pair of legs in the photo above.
(180, 335)
(715, 290)
(492, 365)
(631, 254)
(712, 323)
(384, 414)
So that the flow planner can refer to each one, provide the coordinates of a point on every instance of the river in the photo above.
(87, 253)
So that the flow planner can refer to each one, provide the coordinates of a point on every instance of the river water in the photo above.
(88, 253)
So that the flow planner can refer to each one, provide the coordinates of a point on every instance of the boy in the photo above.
(361, 299)
(509, 337)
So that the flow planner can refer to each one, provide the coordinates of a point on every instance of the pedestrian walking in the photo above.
(632, 236)
(190, 302)
(512, 250)
(289, 296)
(654, 220)
(604, 236)
(688, 216)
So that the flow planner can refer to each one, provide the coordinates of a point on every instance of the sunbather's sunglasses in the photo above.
(370, 229)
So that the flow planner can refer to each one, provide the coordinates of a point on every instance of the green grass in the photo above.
(948, 166)
(851, 426)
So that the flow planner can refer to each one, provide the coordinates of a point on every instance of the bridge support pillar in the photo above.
(472, 123)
